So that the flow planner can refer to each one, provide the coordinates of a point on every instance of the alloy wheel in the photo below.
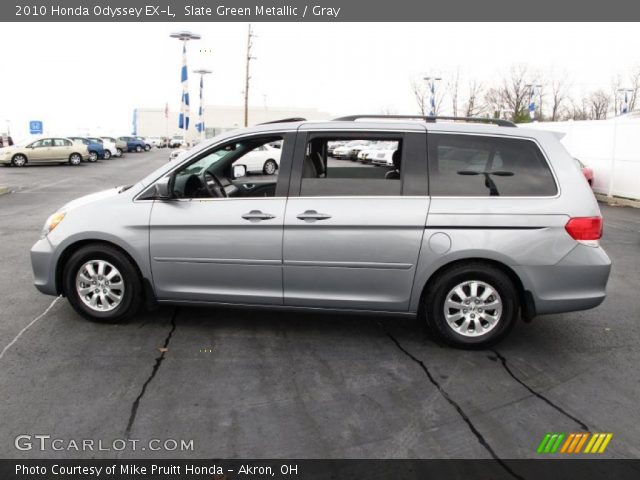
(473, 308)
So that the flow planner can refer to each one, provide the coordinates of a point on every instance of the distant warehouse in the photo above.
(156, 122)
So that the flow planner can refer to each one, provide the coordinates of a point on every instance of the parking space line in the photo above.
(15, 339)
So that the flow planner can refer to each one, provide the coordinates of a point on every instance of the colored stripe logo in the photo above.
(574, 443)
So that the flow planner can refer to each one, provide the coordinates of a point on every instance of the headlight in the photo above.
(52, 222)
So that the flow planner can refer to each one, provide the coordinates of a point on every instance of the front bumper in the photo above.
(577, 282)
(43, 263)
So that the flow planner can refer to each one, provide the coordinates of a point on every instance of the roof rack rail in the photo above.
(429, 119)
(285, 120)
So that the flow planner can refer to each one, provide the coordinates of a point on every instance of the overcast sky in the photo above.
(91, 76)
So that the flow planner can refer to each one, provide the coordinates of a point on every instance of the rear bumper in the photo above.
(577, 282)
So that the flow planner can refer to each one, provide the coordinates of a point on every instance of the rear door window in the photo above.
(486, 166)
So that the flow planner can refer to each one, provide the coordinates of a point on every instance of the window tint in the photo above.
(353, 167)
(481, 166)
(60, 142)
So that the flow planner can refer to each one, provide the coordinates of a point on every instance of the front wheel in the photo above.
(120, 151)
(93, 157)
(75, 159)
(102, 284)
(147, 148)
(269, 167)
(471, 305)
(138, 148)
(107, 154)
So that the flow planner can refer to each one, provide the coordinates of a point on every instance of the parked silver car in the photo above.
(472, 227)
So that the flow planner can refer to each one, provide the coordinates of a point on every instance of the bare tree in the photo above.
(599, 102)
(634, 84)
(473, 105)
(493, 99)
(452, 86)
(514, 91)
(579, 110)
(558, 87)
(420, 92)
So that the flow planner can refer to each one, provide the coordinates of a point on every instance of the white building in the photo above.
(611, 147)
(153, 122)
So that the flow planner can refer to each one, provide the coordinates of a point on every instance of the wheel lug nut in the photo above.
(473, 316)
(97, 291)
(480, 310)
(464, 310)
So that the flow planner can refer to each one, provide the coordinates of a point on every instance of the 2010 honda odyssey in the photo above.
(473, 226)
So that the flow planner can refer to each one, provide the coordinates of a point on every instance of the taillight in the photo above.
(587, 230)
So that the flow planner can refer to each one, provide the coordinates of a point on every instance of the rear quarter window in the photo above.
(485, 166)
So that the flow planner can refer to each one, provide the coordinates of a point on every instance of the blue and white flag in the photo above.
(433, 98)
(183, 120)
(200, 124)
(625, 105)
(532, 103)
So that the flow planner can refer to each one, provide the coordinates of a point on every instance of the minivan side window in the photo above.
(351, 167)
(486, 166)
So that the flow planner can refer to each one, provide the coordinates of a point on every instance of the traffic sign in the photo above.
(35, 127)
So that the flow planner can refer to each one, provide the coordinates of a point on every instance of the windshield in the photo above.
(205, 163)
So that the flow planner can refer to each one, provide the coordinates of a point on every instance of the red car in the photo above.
(586, 171)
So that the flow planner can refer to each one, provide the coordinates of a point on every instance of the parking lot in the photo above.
(254, 384)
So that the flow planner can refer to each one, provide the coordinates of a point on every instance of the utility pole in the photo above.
(247, 77)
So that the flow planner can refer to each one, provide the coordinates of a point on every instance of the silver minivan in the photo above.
(474, 225)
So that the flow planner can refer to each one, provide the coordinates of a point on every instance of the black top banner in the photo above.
(317, 11)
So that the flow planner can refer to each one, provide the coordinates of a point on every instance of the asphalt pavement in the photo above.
(255, 384)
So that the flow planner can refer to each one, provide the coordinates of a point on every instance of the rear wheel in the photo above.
(138, 148)
(107, 154)
(75, 159)
(147, 148)
(93, 156)
(19, 160)
(120, 152)
(102, 284)
(471, 305)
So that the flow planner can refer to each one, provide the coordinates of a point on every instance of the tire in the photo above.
(107, 154)
(75, 159)
(19, 160)
(120, 152)
(147, 148)
(270, 167)
(93, 156)
(138, 148)
(119, 304)
(489, 280)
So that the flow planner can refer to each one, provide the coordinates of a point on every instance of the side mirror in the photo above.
(161, 190)
(239, 171)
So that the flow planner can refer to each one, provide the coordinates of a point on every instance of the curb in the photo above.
(617, 201)
(4, 190)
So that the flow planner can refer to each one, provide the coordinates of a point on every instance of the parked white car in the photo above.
(263, 159)
(176, 153)
(177, 141)
(108, 146)
(350, 150)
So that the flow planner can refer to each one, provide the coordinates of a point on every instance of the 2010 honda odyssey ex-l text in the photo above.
(473, 226)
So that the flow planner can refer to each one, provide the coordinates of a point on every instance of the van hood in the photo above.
(91, 198)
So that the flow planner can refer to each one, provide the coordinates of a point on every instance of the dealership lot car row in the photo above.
(70, 150)
(439, 233)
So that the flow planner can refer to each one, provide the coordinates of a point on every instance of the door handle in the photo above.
(313, 215)
(257, 215)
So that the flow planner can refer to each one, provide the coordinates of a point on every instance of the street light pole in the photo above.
(200, 125)
(431, 82)
(184, 36)
(247, 77)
